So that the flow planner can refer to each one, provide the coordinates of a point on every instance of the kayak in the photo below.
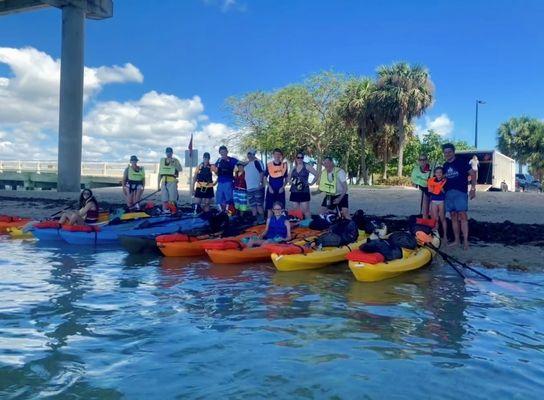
(142, 239)
(314, 259)
(11, 222)
(370, 272)
(194, 246)
(46, 231)
(241, 254)
(18, 233)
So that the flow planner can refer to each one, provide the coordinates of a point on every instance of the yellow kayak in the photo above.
(17, 233)
(412, 259)
(315, 259)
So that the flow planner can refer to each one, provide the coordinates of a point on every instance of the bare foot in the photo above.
(465, 246)
(453, 244)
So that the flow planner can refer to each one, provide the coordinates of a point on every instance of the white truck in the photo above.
(495, 170)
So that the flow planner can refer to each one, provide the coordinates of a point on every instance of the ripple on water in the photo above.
(76, 322)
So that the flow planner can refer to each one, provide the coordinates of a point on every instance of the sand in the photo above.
(495, 207)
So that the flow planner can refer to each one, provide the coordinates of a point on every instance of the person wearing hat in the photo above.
(203, 183)
(224, 168)
(133, 183)
(169, 169)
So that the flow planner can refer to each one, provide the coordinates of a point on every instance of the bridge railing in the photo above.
(87, 168)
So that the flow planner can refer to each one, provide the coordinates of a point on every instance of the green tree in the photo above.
(405, 92)
(517, 138)
(357, 108)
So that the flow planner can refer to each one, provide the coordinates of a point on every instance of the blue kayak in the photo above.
(109, 234)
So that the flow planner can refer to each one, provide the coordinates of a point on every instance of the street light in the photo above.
(476, 124)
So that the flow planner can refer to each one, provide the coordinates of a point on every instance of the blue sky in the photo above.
(492, 50)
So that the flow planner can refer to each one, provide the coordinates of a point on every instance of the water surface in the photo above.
(80, 323)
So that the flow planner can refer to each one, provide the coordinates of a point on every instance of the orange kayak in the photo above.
(196, 246)
(243, 255)
(12, 222)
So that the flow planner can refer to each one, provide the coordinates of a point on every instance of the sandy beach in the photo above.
(508, 218)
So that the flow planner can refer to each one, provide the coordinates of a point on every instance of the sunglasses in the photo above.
(300, 157)
(276, 209)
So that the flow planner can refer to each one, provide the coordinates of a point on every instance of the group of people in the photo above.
(445, 189)
(250, 185)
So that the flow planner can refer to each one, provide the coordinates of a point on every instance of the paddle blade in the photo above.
(509, 286)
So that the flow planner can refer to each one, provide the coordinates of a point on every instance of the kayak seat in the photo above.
(223, 244)
(285, 248)
(81, 228)
(369, 258)
(47, 224)
(174, 237)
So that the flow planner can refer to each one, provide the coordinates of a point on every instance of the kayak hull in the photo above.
(18, 233)
(139, 244)
(182, 249)
(365, 272)
(313, 260)
(243, 256)
(47, 234)
(4, 226)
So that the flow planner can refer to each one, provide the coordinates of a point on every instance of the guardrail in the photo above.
(112, 169)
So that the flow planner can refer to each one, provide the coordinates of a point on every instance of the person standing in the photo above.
(133, 183)
(277, 173)
(203, 183)
(169, 169)
(254, 171)
(240, 188)
(333, 183)
(420, 175)
(474, 164)
(300, 185)
(224, 168)
(456, 173)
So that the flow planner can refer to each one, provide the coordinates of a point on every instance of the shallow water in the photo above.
(76, 323)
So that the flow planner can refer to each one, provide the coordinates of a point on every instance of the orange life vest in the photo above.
(434, 186)
(276, 171)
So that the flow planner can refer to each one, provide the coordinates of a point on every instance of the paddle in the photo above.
(426, 240)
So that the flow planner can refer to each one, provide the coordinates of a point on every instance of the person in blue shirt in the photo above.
(277, 173)
(224, 168)
(457, 194)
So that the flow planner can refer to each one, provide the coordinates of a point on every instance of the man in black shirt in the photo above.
(457, 194)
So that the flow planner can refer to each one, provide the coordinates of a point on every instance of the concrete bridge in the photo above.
(43, 175)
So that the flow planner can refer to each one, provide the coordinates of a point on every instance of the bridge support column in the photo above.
(71, 99)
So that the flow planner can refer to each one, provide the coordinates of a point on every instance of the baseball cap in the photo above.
(206, 155)
(133, 158)
(252, 151)
(169, 150)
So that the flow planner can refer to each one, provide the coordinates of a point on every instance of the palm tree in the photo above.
(406, 92)
(517, 138)
(356, 108)
(384, 145)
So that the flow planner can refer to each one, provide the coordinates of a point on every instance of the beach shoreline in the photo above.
(508, 227)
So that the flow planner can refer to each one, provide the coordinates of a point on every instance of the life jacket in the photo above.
(224, 167)
(167, 170)
(204, 176)
(136, 176)
(276, 171)
(434, 186)
(327, 186)
(277, 228)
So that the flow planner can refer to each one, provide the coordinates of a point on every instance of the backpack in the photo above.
(340, 234)
(403, 239)
(387, 250)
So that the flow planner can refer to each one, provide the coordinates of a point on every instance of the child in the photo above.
(240, 188)
(436, 191)
(277, 228)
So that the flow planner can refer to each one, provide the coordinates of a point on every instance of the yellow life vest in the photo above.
(276, 171)
(136, 176)
(327, 186)
(167, 170)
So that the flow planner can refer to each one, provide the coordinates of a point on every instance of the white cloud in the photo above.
(227, 5)
(442, 125)
(112, 130)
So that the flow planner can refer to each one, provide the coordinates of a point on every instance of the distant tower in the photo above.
(71, 77)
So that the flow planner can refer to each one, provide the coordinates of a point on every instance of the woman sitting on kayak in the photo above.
(88, 211)
(277, 228)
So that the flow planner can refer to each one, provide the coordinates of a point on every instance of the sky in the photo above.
(158, 71)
